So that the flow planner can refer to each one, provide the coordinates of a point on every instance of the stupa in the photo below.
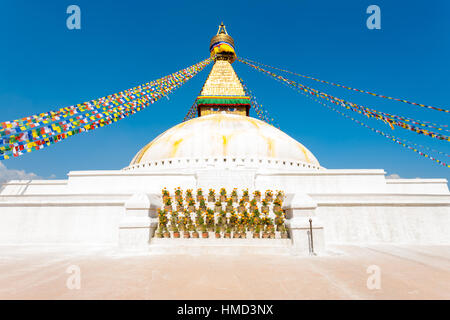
(226, 148)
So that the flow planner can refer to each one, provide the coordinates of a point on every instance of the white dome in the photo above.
(224, 136)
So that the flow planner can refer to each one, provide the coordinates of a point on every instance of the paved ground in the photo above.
(407, 272)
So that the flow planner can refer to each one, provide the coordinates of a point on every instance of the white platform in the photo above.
(348, 206)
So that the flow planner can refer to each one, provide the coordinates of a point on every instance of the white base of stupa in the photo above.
(119, 208)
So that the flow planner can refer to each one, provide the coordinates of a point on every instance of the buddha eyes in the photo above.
(227, 109)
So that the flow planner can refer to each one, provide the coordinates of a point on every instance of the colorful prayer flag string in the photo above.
(114, 98)
(153, 88)
(34, 140)
(192, 112)
(403, 142)
(261, 113)
(390, 119)
(350, 88)
(59, 130)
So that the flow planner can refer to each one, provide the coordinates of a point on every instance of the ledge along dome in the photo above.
(224, 136)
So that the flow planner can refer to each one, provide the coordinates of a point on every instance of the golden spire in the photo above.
(222, 91)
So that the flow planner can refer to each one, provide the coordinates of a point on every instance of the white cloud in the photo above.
(393, 176)
(11, 174)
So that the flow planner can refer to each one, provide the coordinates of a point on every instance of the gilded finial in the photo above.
(221, 46)
(222, 29)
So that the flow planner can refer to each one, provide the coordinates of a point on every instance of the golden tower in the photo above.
(222, 91)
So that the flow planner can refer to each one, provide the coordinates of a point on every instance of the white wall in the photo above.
(355, 206)
(65, 223)
(319, 181)
(127, 182)
(21, 187)
(323, 181)
(364, 224)
(417, 186)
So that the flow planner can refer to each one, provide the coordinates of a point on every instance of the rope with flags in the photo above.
(350, 88)
(192, 112)
(260, 111)
(390, 119)
(39, 131)
(403, 142)
(159, 85)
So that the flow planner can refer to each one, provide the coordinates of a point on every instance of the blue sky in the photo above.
(45, 66)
